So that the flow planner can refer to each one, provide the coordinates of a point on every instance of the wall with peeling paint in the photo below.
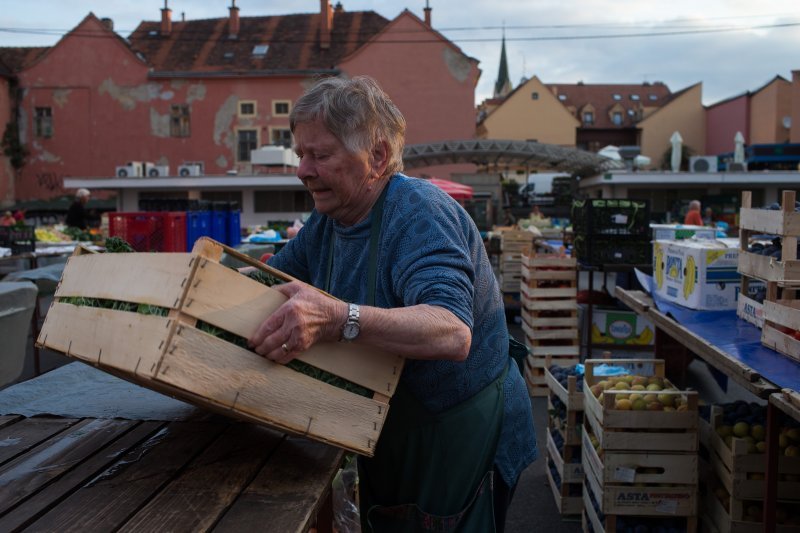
(431, 81)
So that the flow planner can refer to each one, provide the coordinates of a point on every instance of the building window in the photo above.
(562, 97)
(179, 124)
(534, 95)
(588, 117)
(634, 97)
(247, 108)
(617, 97)
(280, 108)
(616, 117)
(44, 122)
(653, 97)
(260, 50)
(247, 141)
(282, 202)
(281, 137)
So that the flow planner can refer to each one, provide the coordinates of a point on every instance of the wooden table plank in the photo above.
(6, 420)
(38, 504)
(27, 473)
(288, 491)
(106, 503)
(207, 487)
(16, 439)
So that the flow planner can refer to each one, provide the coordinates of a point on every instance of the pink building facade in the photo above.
(723, 120)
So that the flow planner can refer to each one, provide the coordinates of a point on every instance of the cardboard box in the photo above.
(617, 326)
(697, 274)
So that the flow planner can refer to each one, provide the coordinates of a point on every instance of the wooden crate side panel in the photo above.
(566, 505)
(554, 334)
(535, 293)
(573, 401)
(548, 261)
(766, 268)
(551, 305)
(671, 468)
(155, 279)
(547, 322)
(238, 304)
(783, 312)
(125, 341)
(542, 351)
(241, 381)
(780, 342)
(773, 222)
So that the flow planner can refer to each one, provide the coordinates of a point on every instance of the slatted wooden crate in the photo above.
(172, 355)
(741, 473)
(639, 430)
(565, 407)
(534, 378)
(723, 514)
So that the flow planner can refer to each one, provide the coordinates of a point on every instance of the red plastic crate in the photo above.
(151, 231)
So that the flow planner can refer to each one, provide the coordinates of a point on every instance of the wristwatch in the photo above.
(351, 327)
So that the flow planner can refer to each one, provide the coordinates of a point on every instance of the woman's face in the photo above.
(337, 179)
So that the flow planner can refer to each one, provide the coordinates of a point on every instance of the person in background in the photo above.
(76, 215)
(8, 219)
(412, 277)
(708, 217)
(693, 217)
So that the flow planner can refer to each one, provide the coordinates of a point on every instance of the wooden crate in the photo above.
(778, 316)
(639, 430)
(747, 308)
(568, 471)
(534, 378)
(741, 473)
(171, 355)
(734, 518)
(570, 396)
(784, 222)
(565, 503)
(515, 241)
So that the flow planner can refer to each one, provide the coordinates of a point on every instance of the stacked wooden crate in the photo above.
(565, 422)
(640, 459)
(512, 244)
(781, 307)
(549, 314)
(177, 324)
(734, 491)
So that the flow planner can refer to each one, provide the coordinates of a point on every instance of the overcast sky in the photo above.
(731, 46)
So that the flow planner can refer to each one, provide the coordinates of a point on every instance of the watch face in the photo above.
(350, 331)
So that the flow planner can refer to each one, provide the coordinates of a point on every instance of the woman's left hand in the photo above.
(307, 317)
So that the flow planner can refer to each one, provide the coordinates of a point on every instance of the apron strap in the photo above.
(376, 221)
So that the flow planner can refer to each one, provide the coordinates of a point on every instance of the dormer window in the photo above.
(588, 117)
(228, 55)
(260, 50)
(635, 97)
(617, 97)
(616, 118)
(562, 97)
(653, 97)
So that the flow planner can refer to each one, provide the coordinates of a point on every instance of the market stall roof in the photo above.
(459, 191)
(507, 153)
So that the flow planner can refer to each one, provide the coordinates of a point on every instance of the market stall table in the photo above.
(85, 451)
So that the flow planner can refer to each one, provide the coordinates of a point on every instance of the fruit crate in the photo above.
(567, 495)
(515, 241)
(595, 521)
(748, 308)
(598, 216)
(739, 466)
(723, 514)
(20, 239)
(176, 353)
(534, 378)
(570, 395)
(640, 430)
(784, 223)
(621, 250)
(781, 328)
(150, 231)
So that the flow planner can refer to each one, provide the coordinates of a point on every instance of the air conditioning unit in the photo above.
(190, 170)
(133, 169)
(736, 167)
(703, 163)
(151, 170)
(274, 155)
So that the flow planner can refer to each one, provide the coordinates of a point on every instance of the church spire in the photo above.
(503, 84)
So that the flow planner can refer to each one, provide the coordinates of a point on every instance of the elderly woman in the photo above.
(413, 278)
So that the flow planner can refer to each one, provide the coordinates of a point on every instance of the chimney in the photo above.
(233, 24)
(338, 8)
(108, 23)
(326, 14)
(166, 20)
(428, 10)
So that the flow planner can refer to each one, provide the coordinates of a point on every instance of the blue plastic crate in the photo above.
(234, 228)
(218, 229)
(198, 224)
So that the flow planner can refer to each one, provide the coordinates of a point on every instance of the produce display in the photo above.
(562, 374)
(60, 233)
(640, 393)
(747, 421)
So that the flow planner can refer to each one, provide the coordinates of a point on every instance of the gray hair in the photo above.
(694, 204)
(358, 113)
(80, 193)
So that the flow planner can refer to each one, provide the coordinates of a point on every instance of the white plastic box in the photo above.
(698, 274)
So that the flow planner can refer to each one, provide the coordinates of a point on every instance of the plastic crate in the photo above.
(234, 228)
(620, 250)
(21, 239)
(198, 224)
(599, 216)
(150, 231)
(219, 230)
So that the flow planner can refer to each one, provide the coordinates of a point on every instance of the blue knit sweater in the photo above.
(430, 252)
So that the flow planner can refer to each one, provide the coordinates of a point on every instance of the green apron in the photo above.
(409, 486)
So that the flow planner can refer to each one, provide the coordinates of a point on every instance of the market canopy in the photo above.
(506, 153)
(459, 191)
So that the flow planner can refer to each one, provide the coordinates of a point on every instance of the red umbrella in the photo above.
(459, 191)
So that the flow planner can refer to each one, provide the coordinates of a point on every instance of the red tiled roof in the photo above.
(17, 58)
(602, 98)
(204, 45)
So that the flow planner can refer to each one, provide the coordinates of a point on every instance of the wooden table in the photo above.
(205, 473)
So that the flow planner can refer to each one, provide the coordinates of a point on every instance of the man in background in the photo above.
(693, 216)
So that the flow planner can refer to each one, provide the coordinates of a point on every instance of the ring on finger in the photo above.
(285, 348)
